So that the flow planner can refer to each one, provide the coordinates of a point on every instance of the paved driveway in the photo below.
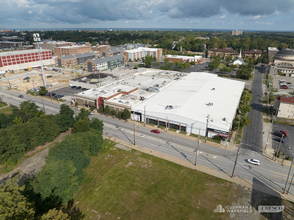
(67, 91)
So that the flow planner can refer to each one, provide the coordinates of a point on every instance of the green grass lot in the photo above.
(122, 184)
(7, 110)
(2, 104)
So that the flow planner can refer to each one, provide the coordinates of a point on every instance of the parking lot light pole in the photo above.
(275, 155)
(286, 154)
(38, 39)
(197, 148)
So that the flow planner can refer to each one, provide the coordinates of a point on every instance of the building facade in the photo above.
(284, 106)
(186, 59)
(74, 60)
(23, 59)
(236, 32)
(70, 50)
(284, 61)
(142, 52)
(107, 50)
(104, 63)
(222, 52)
(252, 54)
(272, 51)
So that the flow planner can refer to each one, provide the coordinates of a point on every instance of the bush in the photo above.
(107, 110)
(113, 112)
(126, 114)
(101, 110)
(217, 138)
(119, 114)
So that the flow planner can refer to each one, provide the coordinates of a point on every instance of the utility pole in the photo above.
(206, 131)
(43, 105)
(236, 160)
(285, 154)
(288, 175)
(274, 117)
(134, 134)
(38, 39)
(290, 184)
(197, 148)
(275, 155)
(145, 118)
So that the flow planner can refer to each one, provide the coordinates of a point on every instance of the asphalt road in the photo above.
(268, 173)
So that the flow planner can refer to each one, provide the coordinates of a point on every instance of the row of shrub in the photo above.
(125, 114)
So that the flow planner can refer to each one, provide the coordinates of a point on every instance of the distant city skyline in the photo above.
(267, 15)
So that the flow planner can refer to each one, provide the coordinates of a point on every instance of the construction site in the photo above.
(32, 79)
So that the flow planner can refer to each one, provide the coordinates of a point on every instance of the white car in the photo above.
(91, 113)
(253, 161)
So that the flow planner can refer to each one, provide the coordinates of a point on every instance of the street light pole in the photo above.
(286, 154)
(288, 175)
(134, 134)
(38, 39)
(290, 184)
(206, 131)
(236, 160)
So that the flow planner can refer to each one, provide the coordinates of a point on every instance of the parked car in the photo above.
(92, 113)
(277, 133)
(26, 78)
(284, 87)
(20, 96)
(53, 94)
(47, 93)
(73, 87)
(284, 133)
(289, 83)
(253, 161)
(49, 76)
(290, 87)
(83, 89)
(135, 68)
(279, 139)
(79, 87)
(155, 131)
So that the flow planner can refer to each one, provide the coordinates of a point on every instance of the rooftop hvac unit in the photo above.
(127, 102)
(209, 104)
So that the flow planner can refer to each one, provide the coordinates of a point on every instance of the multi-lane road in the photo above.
(268, 173)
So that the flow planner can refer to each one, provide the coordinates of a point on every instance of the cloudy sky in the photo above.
(194, 14)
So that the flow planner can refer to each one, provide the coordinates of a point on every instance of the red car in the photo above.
(155, 131)
(284, 87)
(284, 133)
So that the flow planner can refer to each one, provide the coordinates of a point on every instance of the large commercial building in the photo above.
(74, 60)
(104, 63)
(142, 52)
(284, 106)
(186, 59)
(223, 53)
(69, 50)
(17, 60)
(236, 32)
(284, 61)
(182, 101)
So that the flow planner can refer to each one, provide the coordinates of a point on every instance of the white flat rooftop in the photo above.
(17, 52)
(190, 98)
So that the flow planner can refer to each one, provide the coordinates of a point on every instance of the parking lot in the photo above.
(288, 140)
(289, 80)
(67, 91)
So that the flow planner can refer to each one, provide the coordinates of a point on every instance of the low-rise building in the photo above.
(104, 63)
(284, 61)
(74, 60)
(222, 52)
(142, 52)
(69, 50)
(252, 54)
(186, 59)
(284, 106)
(107, 50)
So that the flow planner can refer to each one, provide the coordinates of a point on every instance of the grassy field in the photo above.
(7, 110)
(2, 104)
(122, 184)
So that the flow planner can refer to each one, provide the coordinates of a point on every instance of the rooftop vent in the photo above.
(169, 107)
(209, 104)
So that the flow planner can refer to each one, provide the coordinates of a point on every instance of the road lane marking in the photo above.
(279, 178)
(278, 173)
(212, 158)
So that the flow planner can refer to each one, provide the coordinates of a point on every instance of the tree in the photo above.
(225, 70)
(92, 108)
(81, 126)
(148, 61)
(119, 114)
(113, 112)
(84, 114)
(76, 105)
(97, 124)
(245, 121)
(43, 90)
(54, 214)
(13, 205)
(101, 109)
(65, 117)
(107, 110)
(30, 110)
(126, 114)
(57, 179)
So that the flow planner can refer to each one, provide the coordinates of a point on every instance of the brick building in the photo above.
(107, 50)
(104, 63)
(17, 60)
(223, 53)
(69, 50)
(252, 53)
(142, 52)
(74, 60)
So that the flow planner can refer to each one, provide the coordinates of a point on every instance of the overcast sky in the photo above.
(194, 14)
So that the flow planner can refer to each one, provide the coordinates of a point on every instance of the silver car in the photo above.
(253, 161)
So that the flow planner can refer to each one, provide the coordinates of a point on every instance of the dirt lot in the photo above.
(58, 79)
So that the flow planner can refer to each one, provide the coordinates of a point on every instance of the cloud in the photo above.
(85, 11)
